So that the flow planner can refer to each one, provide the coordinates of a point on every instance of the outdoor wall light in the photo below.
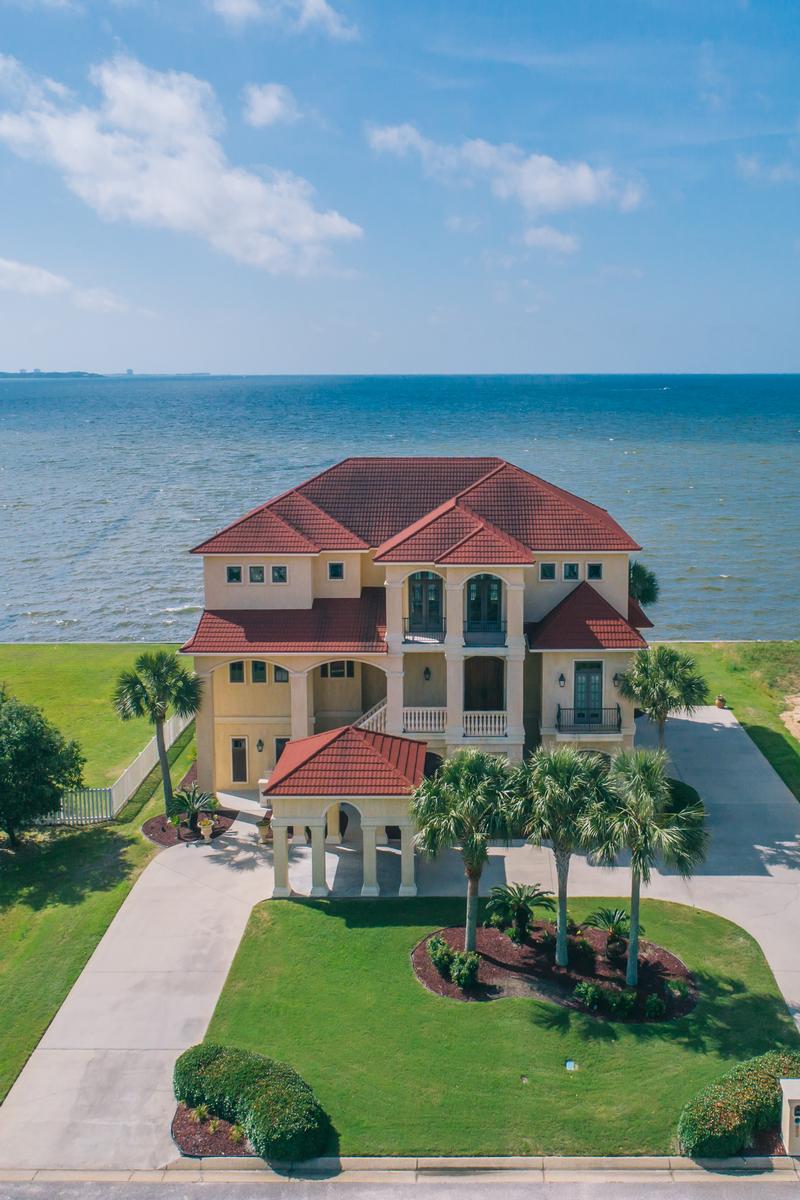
(426, 674)
(260, 745)
(615, 680)
(561, 680)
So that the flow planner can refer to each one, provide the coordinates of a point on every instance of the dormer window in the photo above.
(233, 574)
(336, 571)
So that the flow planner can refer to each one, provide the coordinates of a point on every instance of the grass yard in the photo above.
(755, 678)
(58, 894)
(327, 986)
(73, 685)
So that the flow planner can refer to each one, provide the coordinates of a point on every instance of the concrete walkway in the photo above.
(96, 1093)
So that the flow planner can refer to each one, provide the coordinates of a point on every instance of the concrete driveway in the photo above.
(96, 1093)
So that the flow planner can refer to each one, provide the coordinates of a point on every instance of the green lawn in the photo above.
(327, 986)
(58, 894)
(73, 685)
(755, 678)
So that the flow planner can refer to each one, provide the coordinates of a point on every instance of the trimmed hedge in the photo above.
(722, 1119)
(280, 1115)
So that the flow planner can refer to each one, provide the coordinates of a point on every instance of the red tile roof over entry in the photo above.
(382, 502)
(348, 762)
(583, 620)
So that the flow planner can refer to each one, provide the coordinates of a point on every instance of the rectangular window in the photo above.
(547, 571)
(239, 760)
(281, 675)
(256, 574)
(338, 670)
(594, 570)
(236, 672)
(258, 672)
(280, 745)
(233, 574)
(279, 574)
(571, 571)
(335, 570)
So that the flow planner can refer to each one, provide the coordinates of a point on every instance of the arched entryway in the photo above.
(484, 684)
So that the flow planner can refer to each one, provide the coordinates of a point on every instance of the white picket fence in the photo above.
(86, 806)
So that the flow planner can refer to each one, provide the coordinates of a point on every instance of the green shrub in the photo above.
(276, 1109)
(621, 1004)
(441, 955)
(722, 1119)
(581, 955)
(464, 969)
(590, 994)
(678, 989)
(655, 1007)
(547, 940)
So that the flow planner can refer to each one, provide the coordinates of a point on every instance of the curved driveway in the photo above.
(96, 1093)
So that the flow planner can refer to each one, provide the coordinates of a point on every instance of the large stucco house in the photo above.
(451, 601)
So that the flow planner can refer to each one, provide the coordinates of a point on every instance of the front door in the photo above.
(588, 693)
(484, 603)
(425, 602)
(483, 685)
(239, 760)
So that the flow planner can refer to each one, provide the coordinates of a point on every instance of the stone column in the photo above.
(280, 862)
(380, 835)
(515, 667)
(454, 613)
(298, 681)
(455, 695)
(408, 883)
(515, 615)
(333, 838)
(394, 614)
(394, 701)
(204, 733)
(370, 860)
(319, 887)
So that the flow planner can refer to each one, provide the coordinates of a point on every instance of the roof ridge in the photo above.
(336, 734)
(364, 733)
(500, 464)
(253, 511)
(503, 534)
(295, 491)
(416, 527)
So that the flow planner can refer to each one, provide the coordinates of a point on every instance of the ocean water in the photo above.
(106, 483)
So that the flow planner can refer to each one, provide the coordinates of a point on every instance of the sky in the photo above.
(399, 186)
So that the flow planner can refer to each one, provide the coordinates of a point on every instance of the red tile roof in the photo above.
(637, 616)
(583, 620)
(453, 535)
(348, 762)
(374, 502)
(351, 626)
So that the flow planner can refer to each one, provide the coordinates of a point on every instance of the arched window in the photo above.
(425, 606)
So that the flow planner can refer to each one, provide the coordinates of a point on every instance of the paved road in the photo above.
(96, 1093)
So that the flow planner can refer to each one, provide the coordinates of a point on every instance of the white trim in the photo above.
(278, 582)
(549, 563)
(241, 738)
(597, 578)
(336, 562)
(255, 567)
(234, 567)
(584, 650)
(570, 562)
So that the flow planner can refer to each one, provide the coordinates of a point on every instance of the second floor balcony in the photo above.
(589, 720)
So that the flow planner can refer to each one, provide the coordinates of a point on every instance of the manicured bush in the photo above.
(722, 1119)
(464, 969)
(441, 955)
(621, 1004)
(654, 1007)
(277, 1110)
(590, 994)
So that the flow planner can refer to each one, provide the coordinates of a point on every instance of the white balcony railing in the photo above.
(374, 718)
(424, 720)
(485, 724)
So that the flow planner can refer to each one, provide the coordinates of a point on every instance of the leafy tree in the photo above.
(643, 815)
(158, 683)
(662, 681)
(515, 904)
(642, 583)
(192, 802)
(37, 765)
(555, 794)
(464, 806)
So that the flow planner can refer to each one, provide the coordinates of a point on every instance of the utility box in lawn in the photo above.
(790, 1116)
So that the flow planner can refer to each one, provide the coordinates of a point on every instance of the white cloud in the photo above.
(750, 166)
(28, 280)
(149, 154)
(269, 104)
(458, 224)
(298, 16)
(539, 183)
(545, 237)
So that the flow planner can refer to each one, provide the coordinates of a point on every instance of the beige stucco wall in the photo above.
(541, 596)
(372, 574)
(418, 692)
(374, 810)
(250, 699)
(336, 588)
(335, 701)
(555, 663)
(296, 593)
(259, 764)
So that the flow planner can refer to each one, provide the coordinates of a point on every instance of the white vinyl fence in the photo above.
(85, 806)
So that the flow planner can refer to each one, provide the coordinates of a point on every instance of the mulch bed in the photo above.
(196, 1139)
(164, 833)
(507, 969)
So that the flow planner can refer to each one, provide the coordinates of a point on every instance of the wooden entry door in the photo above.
(238, 760)
(484, 685)
(588, 693)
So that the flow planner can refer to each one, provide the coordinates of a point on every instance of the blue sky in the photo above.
(315, 186)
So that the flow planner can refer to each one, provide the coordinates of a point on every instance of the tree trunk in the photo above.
(164, 762)
(661, 725)
(632, 974)
(194, 817)
(11, 834)
(473, 882)
(562, 871)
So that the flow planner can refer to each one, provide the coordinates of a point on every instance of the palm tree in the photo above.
(662, 681)
(644, 816)
(515, 904)
(192, 802)
(555, 793)
(464, 806)
(157, 683)
(642, 583)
